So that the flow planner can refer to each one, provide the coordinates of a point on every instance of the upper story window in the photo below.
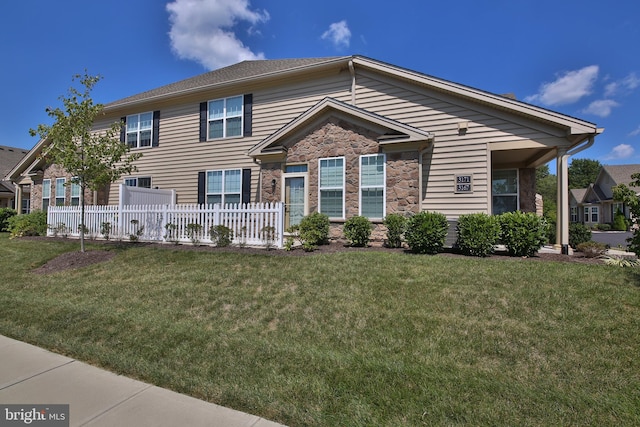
(139, 129)
(225, 117)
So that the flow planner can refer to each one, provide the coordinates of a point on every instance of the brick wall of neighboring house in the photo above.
(528, 190)
(337, 138)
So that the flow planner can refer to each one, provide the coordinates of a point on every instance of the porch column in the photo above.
(562, 220)
(17, 200)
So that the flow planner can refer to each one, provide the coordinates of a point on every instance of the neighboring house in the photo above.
(344, 136)
(595, 204)
(9, 158)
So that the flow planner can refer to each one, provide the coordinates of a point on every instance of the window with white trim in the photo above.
(75, 194)
(225, 117)
(586, 214)
(372, 186)
(46, 194)
(595, 213)
(138, 181)
(574, 214)
(331, 187)
(60, 191)
(224, 186)
(504, 190)
(139, 129)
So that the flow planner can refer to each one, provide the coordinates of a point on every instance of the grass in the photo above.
(349, 339)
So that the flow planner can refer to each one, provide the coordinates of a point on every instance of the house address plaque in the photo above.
(464, 184)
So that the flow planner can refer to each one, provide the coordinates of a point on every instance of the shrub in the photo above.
(477, 234)
(619, 221)
(31, 224)
(551, 230)
(105, 230)
(357, 230)
(592, 249)
(221, 235)
(269, 236)
(193, 232)
(426, 232)
(522, 233)
(619, 261)
(578, 233)
(314, 230)
(5, 214)
(396, 225)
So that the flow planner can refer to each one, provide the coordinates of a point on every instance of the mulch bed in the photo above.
(73, 260)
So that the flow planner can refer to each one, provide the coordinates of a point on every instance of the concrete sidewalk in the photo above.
(31, 375)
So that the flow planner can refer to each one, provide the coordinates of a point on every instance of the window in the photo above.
(372, 184)
(331, 187)
(75, 194)
(574, 214)
(224, 186)
(60, 191)
(143, 182)
(586, 214)
(139, 129)
(46, 193)
(504, 189)
(225, 117)
(594, 214)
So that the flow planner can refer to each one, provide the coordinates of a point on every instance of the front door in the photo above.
(294, 200)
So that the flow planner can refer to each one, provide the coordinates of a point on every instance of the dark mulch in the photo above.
(72, 260)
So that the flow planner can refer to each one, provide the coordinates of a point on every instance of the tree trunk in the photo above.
(82, 188)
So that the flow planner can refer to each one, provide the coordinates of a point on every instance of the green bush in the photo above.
(619, 221)
(396, 225)
(592, 249)
(357, 230)
(31, 224)
(522, 233)
(578, 233)
(314, 230)
(221, 235)
(426, 232)
(5, 214)
(551, 230)
(477, 234)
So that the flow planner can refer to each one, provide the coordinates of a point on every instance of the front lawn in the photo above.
(345, 339)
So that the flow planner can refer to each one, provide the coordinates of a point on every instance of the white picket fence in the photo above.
(252, 224)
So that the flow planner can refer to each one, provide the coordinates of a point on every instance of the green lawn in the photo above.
(347, 339)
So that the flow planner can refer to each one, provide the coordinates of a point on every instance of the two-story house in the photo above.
(341, 135)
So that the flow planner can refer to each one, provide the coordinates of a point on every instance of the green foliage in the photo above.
(426, 232)
(522, 233)
(314, 230)
(619, 221)
(170, 233)
(583, 172)
(293, 234)
(547, 187)
(268, 236)
(619, 261)
(137, 232)
(624, 194)
(5, 214)
(193, 232)
(357, 230)
(31, 224)
(105, 230)
(578, 233)
(60, 229)
(396, 225)
(551, 230)
(592, 249)
(221, 235)
(477, 234)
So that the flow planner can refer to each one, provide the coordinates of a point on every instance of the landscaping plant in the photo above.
(578, 233)
(5, 214)
(592, 249)
(221, 235)
(357, 230)
(426, 232)
(31, 224)
(619, 221)
(193, 232)
(477, 234)
(396, 225)
(523, 234)
(314, 230)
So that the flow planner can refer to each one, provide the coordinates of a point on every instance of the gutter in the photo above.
(588, 144)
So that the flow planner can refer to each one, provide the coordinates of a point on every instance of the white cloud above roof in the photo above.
(619, 152)
(626, 85)
(568, 88)
(338, 34)
(601, 108)
(203, 30)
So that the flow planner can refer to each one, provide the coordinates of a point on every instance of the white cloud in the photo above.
(338, 33)
(601, 108)
(626, 84)
(635, 132)
(203, 30)
(620, 152)
(567, 88)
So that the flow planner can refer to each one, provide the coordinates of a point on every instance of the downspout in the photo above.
(352, 70)
(578, 149)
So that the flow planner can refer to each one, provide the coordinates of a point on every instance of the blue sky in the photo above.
(580, 58)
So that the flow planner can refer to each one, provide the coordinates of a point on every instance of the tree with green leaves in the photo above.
(583, 172)
(93, 159)
(547, 187)
(624, 194)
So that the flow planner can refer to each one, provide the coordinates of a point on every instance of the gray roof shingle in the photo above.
(9, 157)
(621, 174)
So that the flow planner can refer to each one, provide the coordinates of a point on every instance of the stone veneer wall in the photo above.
(52, 172)
(528, 190)
(338, 138)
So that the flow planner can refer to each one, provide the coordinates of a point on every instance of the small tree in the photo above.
(94, 159)
(624, 194)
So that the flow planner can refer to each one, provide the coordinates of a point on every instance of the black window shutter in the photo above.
(156, 129)
(246, 185)
(203, 121)
(123, 130)
(248, 113)
(201, 188)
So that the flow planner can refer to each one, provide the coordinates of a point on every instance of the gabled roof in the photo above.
(391, 131)
(9, 157)
(620, 174)
(578, 194)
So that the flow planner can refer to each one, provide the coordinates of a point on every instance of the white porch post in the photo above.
(562, 220)
(17, 200)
